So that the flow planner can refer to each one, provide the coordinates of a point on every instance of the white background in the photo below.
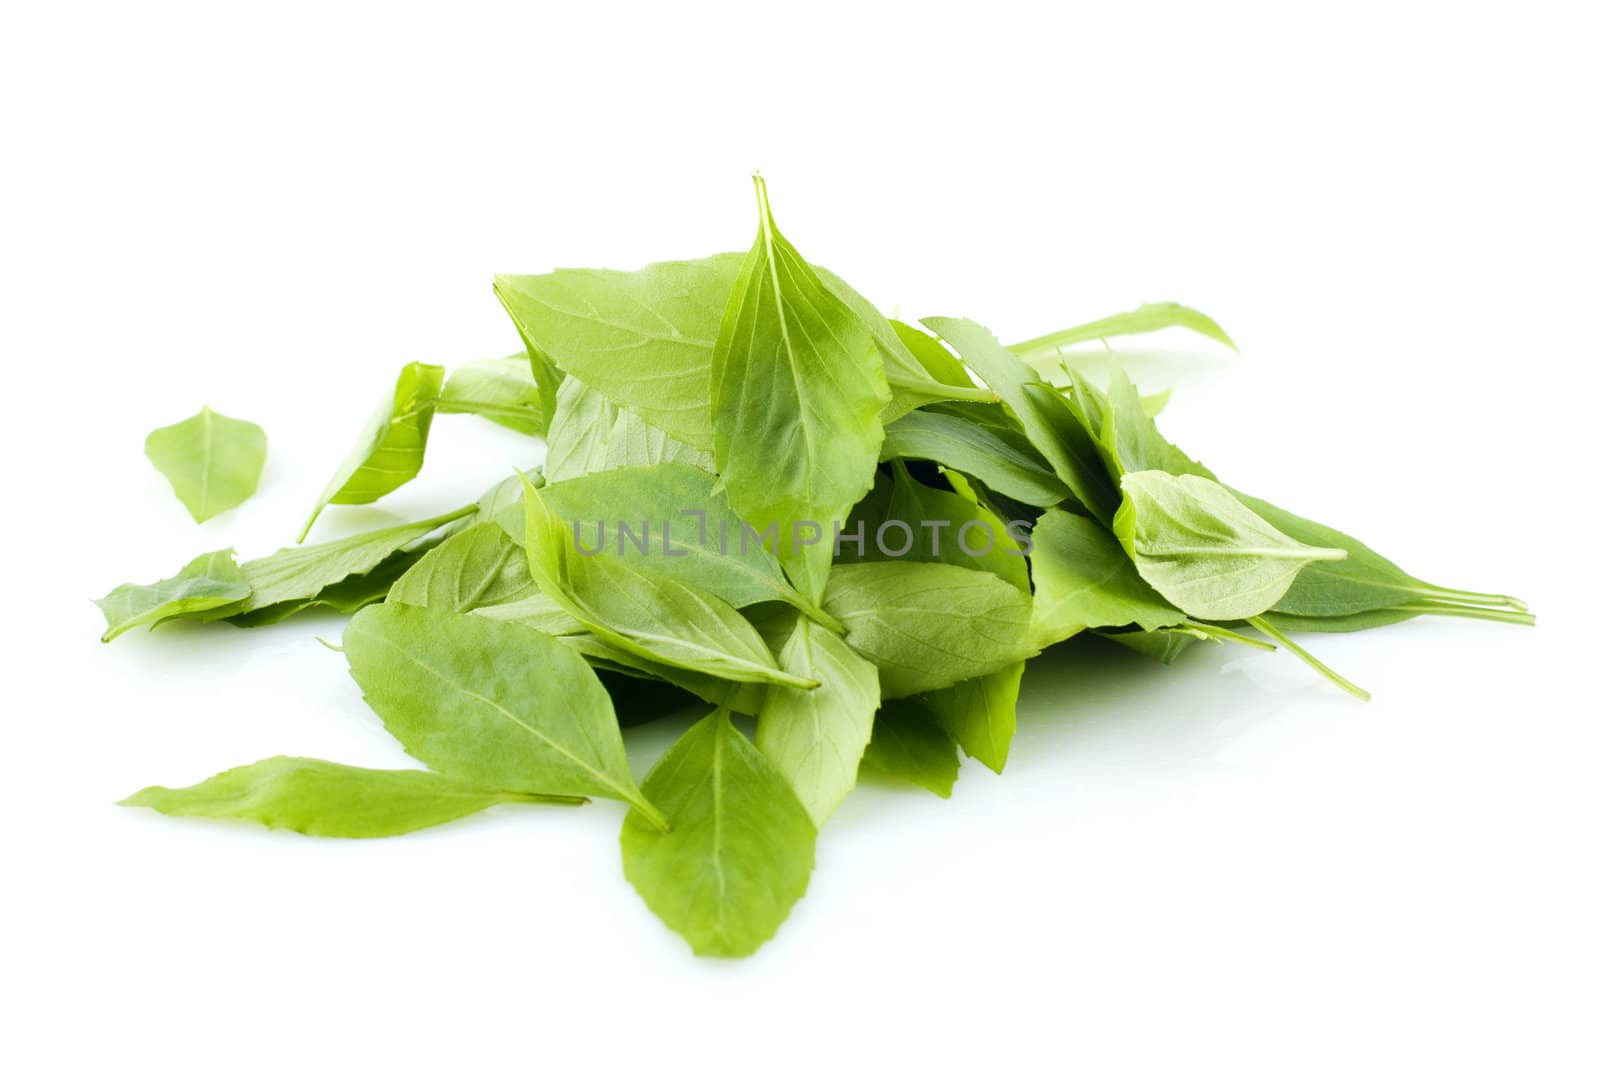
(270, 208)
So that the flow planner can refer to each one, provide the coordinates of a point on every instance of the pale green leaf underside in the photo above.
(1205, 552)
(213, 462)
(500, 390)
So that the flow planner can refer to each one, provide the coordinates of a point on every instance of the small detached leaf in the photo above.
(741, 848)
(206, 584)
(322, 799)
(213, 462)
(1203, 550)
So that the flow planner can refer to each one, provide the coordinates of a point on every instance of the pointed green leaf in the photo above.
(392, 446)
(312, 796)
(1044, 415)
(1146, 318)
(491, 702)
(797, 387)
(908, 743)
(999, 458)
(1083, 579)
(741, 848)
(213, 462)
(981, 714)
(204, 585)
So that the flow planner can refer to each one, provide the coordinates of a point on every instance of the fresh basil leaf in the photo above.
(981, 714)
(500, 390)
(213, 462)
(205, 584)
(929, 625)
(647, 614)
(590, 434)
(322, 799)
(490, 702)
(797, 386)
(917, 523)
(1146, 318)
(687, 531)
(475, 568)
(1129, 436)
(741, 848)
(1162, 645)
(643, 339)
(909, 373)
(304, 572)
(1041, 411)
(1205, 552)
(391, 448)
(1084, 579)
(816, 736)
(908, 743)
(1365, 582)
(998, 457)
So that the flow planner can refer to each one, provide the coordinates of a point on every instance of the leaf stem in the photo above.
(1429, 590)
(1467, 611)
(1222, 633)
(1316, 664)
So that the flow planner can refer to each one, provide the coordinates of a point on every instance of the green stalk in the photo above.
(1316, 664)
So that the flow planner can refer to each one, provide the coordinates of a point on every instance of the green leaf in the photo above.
(1365, 582)
(1129, 436)
(590, 434)
(392, 446)
(929, 625)
(689, 532)
(816, 736)
(213, 462)
(643, 339)
(1083, 579)
(981, 714)
(490, 702)
(916, 367)
(649, 615)
(205, 584)
(304, 572)
(797, 387)
(908, 743)
(1146, 318)
(500, 390)
(916, 523)
(999, 458)
(1042, 412)
(477, 567)
(741, 847)
(1162, 645)
(312, 796)
(1205, 552)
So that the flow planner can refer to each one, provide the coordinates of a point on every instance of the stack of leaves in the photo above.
(840, 536)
